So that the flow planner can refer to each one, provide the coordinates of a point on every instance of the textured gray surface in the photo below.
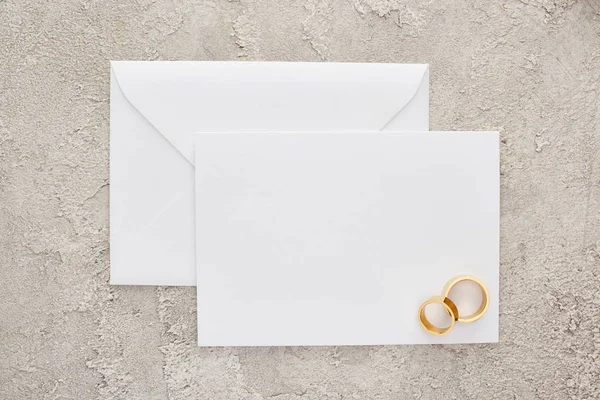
(530, 69)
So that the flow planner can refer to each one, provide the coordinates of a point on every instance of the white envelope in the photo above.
(156, 106)
(336, 239)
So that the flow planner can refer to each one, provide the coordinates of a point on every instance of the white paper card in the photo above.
(337, 238)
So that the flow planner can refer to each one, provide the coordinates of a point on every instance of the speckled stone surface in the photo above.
(530, 69)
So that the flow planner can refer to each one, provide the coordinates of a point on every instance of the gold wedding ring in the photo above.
(451, 307)
(485, 297)
(448, 305)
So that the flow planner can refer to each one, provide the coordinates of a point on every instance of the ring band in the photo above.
(485, 297)
(448, 305)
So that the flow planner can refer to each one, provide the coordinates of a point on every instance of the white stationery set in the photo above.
(308, 202)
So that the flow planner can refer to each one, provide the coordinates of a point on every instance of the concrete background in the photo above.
(529, 68)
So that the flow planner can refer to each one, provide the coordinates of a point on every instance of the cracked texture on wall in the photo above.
(530, 69)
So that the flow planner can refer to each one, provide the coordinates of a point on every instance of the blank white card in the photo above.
(337, 238)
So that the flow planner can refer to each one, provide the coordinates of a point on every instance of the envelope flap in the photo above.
(181, 98)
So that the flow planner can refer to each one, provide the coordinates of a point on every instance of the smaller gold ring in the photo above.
(448, 305)
(485, 297)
